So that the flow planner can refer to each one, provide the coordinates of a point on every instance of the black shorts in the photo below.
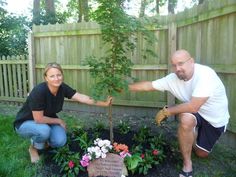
(207, 134)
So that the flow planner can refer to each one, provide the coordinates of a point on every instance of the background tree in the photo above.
(48, 12)
(148, 5)
(83, 10)
(119, 35)
(200, 1)
(142, 8)
(36, 12)
(171, 6)
(13, 34)
(78, 10)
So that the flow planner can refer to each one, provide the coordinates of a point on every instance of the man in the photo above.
(204, 105)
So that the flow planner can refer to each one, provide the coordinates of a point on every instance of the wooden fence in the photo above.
(14, 83)
(207, 31)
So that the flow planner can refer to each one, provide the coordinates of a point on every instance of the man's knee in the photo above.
(201, 153)
(187, 121)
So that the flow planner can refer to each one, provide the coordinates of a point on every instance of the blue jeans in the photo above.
(39, 134)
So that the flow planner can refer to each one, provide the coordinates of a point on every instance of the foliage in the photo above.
(67, 157)
(79, 10)
(13, 34)
(143, 135)
(68, 161)
(124, 127)
(42, 16)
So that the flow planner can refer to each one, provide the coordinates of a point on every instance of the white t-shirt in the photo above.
(204, 83)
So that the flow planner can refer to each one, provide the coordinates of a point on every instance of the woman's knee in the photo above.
(58, 136)
(44, 132)
(58, 142)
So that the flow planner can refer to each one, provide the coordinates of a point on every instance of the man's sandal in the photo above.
(186, 174)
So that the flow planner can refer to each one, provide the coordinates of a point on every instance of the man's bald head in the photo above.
(180, 54)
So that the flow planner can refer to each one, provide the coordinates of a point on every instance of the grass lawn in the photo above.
(14, 159)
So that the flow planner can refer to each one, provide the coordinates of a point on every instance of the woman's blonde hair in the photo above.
(52, 65)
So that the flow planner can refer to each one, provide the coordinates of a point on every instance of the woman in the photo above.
(37, 118)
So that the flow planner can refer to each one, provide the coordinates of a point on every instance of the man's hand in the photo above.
(161, 115)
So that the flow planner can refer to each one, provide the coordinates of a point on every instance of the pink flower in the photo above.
(155, 152)
(123, 154)
(85, 160)
(71, 164)
(142, 156)
(84, 163)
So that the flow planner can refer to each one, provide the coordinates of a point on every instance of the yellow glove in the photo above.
(161, 115)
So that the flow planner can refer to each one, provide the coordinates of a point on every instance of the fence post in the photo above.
(172, 33)
(31, 65)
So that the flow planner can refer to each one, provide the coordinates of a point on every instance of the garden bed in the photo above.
(170, 156)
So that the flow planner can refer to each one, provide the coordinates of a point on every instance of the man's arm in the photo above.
(142, 86)
(192, 106)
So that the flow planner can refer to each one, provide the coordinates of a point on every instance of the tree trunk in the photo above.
(157, 6)
(111, 123)
(36, 12)
(200, 1)
(171, 6)
(80, 11)
(86, 11)
(142, 8)
(50, 11)
(83, 10)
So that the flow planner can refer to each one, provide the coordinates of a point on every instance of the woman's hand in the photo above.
(108, 101)
(62, 123)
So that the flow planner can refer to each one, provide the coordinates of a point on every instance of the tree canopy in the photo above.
(13, 33)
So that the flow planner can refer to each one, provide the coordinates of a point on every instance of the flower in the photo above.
(120, 147)
(85, 160)
(155, 152)
(101, 148)
(71, 164)
(142, 156)
(123, 154)
(84, 163)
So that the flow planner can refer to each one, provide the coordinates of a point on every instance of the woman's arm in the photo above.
(41, 119)
(88, 100)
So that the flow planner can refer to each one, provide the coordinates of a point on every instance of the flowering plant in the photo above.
(98, 151)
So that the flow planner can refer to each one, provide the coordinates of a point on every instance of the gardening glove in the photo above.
(161, 115)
